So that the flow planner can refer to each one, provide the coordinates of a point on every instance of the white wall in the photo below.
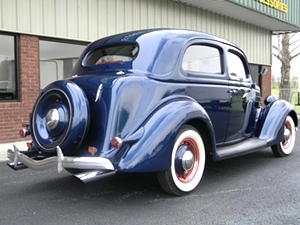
(51, 71)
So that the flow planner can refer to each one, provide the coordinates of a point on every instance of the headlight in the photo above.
(269, 99)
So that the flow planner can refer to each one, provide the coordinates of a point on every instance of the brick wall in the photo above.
(266, 86)
(14, 114)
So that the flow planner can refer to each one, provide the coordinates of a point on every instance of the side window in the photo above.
(202, 59)
(236, 67)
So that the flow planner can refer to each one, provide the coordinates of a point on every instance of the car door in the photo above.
(203, 65)
(240, 93)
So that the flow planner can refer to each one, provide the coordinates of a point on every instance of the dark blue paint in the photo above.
(159, 51)
(153, 151)
(145, 103)
(274, 121)
(74, 120)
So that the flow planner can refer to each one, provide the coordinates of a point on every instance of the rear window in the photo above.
(112, 54)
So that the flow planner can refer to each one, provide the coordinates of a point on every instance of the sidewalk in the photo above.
(3, 148)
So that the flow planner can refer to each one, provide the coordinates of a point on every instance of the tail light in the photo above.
(24, 132)
(116, 142)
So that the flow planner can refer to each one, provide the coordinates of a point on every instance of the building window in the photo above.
(8, 74)
(57, 60)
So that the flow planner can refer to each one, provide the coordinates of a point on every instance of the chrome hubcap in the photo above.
(187, 160)
(52, 119)
(287, 134)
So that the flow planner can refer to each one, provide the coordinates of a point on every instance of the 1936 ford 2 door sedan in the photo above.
(161, 101)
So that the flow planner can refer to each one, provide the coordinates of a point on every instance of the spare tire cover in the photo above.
(60, 117)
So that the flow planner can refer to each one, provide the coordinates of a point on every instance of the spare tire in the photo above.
(60, 117)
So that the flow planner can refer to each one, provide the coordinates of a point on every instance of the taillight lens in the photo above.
(24, 132)
(116, 142)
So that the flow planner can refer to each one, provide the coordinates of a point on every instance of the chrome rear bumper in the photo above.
(19, 160)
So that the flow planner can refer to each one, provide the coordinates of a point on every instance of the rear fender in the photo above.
(152, 152)
(271, 130)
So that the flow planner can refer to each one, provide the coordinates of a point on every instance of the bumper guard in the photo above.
(19, 160)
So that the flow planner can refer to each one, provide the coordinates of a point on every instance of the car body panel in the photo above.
(153, 149)
(141, 88)
(272, 125)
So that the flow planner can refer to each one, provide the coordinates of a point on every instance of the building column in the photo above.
(266, 83)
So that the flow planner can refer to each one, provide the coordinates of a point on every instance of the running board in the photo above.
(241, 148)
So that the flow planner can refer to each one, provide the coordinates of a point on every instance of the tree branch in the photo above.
(292, 35)
(294, 56)
(294, 42)
(278, 57)
(276, 48)
(294, 49)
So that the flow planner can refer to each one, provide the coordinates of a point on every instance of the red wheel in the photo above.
(285, 147)
(187, 163)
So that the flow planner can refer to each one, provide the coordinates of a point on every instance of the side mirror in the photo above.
(263, 71)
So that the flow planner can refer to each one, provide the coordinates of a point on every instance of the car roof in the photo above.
(159, 49)
(134, 36)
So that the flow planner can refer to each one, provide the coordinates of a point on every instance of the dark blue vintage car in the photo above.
(159, 101)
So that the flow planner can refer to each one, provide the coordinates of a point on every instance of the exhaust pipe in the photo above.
(93, 175)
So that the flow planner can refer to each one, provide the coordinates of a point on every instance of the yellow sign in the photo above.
(275, 4)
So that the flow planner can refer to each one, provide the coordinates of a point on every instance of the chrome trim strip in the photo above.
(99, 92)
(87, 163)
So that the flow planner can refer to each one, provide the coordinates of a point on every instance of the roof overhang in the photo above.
(241, 13)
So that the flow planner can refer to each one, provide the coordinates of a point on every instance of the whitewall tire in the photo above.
(187, 163)
(285, 147)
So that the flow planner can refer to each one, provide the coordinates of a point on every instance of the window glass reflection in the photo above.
(236, 67)
(57, 60)
(7, 68)
(201, 58)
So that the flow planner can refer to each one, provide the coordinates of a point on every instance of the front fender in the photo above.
(271, 130)
(152, 152)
